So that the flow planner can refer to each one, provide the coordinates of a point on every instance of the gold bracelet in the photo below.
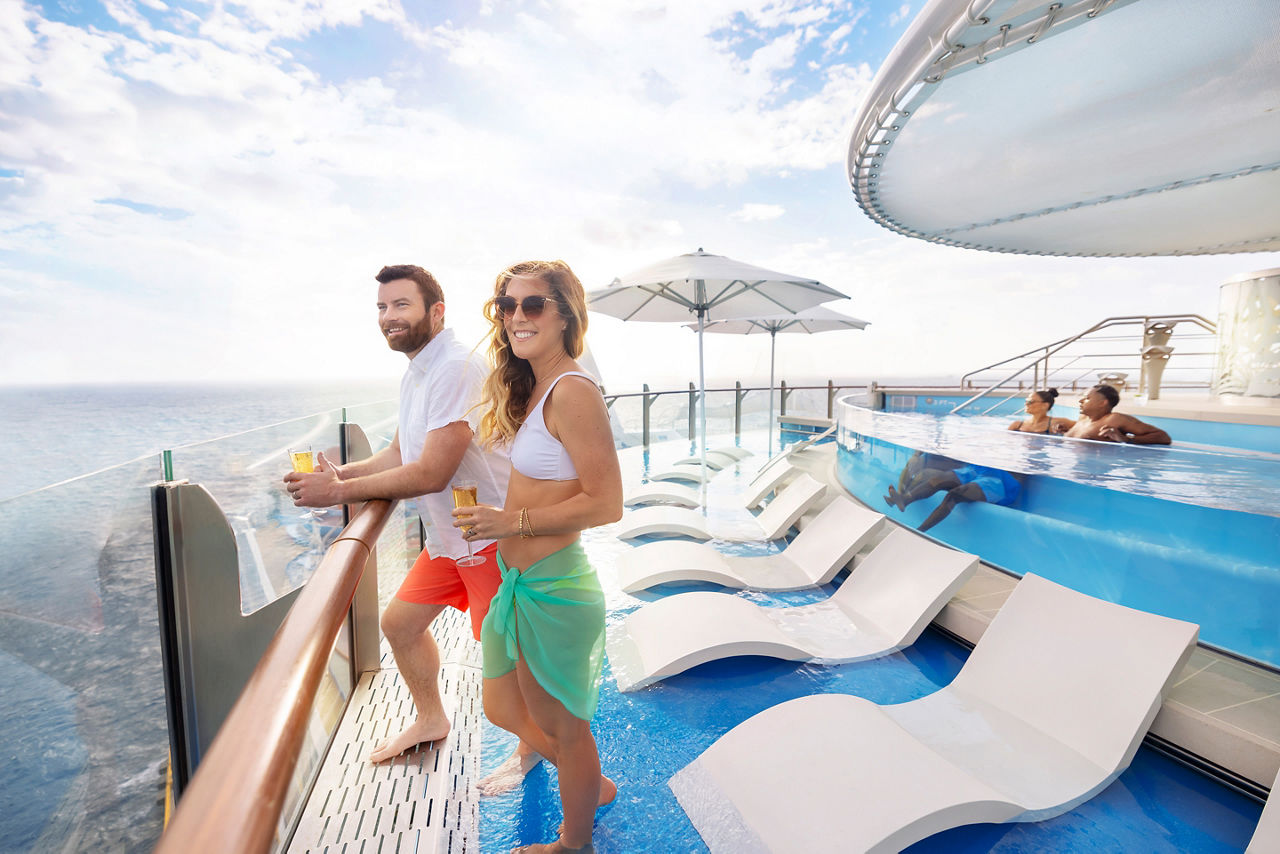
(529, 523)
(520, 524)
(525, 523)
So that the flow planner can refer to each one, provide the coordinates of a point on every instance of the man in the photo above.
(433, 446)
(1097, 421)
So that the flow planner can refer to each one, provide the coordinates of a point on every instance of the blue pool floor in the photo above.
(647, 736)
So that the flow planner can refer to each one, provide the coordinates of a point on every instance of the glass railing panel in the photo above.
(278, 545)
(378, 420)
(83, 720)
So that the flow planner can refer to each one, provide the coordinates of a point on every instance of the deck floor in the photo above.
(423, 801)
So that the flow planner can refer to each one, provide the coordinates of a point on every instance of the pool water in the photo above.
(1186, 534)
(646, 736)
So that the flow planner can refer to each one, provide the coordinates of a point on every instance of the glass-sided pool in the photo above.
(1191, 533)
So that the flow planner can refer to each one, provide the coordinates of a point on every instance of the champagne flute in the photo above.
(304, 462)
(464, 495)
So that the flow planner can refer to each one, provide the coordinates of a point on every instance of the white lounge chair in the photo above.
(774, 520)
(1266, 836)
(663, 492)
(883, 606)
(822, 548)
(732, 450)
(692, 472)
(715, 459)
(681, 495)
(767, 481)
(1048, 710)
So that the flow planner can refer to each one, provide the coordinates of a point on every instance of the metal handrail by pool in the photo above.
(235, 798)
(647, 399)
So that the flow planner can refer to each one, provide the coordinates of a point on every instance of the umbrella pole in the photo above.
(773, 343)
(702, 406)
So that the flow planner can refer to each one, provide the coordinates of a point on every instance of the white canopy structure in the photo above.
(1085, 127)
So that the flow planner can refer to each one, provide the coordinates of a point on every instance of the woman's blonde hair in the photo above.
(507, 390)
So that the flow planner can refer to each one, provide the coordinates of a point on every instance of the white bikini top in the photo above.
(535, 452)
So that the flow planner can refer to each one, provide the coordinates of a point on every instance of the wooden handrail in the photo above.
(235, 798)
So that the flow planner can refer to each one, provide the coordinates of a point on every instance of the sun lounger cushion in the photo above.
(883, 606)
(822, 548)
(1266, 837)
(692, 472)
(773, 522)
(663, 492)
(1047, 712)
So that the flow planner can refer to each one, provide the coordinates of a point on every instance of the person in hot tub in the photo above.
(967, 483)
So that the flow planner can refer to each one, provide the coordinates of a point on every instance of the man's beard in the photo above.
(414, 338)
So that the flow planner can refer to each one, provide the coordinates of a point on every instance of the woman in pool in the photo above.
(1038, 405)
(543, 638)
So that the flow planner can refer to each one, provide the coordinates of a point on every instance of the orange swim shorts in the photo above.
(440, 581)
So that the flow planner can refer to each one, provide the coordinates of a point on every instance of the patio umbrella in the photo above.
(708, 287)
(810, 321)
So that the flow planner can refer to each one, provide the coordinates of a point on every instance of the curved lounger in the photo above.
(663, 492)
(1266, 836)
(767, 481)
(883, 606)
(692, 472)
(1048, 710)
(715, 460)
(821, 549)
(774, 520)
(681, 495)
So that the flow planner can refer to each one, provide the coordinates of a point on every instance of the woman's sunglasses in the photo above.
(532, 306)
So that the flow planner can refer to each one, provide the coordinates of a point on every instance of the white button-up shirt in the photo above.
(441, 385)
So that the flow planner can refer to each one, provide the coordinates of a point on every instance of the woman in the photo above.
(543, 638)
(1038, 405)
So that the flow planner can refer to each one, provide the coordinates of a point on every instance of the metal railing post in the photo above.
(693, 408)
(782, 399)
(831, 398)
(738, 395)
(645, 403)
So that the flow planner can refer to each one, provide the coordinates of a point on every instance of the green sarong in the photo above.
(552, 614)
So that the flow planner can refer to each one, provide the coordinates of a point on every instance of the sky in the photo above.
(203, 190)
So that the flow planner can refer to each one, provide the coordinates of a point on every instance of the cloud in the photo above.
(754, 212)
(239, 174)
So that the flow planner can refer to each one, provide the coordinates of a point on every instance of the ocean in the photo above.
(59, 432)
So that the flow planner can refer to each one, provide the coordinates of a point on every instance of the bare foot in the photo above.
(510, 774)
(418, 732)
(608, 791)
(894, 498)
(556, 847)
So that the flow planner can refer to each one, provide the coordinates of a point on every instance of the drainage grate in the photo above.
(424, 800)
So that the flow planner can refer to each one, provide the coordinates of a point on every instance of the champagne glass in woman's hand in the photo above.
(464, 495)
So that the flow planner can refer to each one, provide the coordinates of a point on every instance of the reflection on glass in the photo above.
(83, 717)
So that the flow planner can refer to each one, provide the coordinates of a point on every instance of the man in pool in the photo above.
(434, 445)
(1098, 421)
(962, 483)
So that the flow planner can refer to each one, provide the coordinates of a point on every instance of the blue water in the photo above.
(1184, 431)
(60, 432)
(1230, 479)
(645, 737)
(1186, 534)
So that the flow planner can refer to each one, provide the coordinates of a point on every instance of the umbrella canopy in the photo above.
(706, 286)
(809, 321)
(709, 286)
